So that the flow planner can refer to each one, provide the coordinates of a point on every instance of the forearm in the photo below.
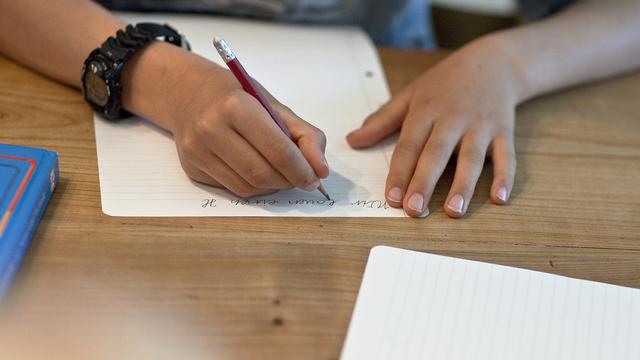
(159, 81)
(54, 37)
(590, 40)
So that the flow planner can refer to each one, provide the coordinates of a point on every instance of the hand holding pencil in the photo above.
(251, 87)
(224, 136)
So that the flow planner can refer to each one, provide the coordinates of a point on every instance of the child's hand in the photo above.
(226, 138)
(223, 135)
(465, 103)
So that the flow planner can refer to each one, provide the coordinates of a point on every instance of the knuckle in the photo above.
(319, 136)
(475, 156)
(258, 178)
(196, 174)
(437, 148)
(189, 146)
(406, 147)
(243, 191)
(206, 126)
(231, 105)
(505, 129)
(203, 179)
(188, 169)
(509, 153)
(315, 138)
(395, 180)
(455, 119)
(283, 155)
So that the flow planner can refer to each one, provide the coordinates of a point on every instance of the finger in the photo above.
(198, 175)
(247, 162)
(311, 141)
(471, 157)
(196, 159)
(265, 136)
(503, 157)
(431, 164)
(232, 181)
(381, 123)
(413, 137)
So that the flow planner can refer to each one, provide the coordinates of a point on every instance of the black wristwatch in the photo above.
(101, 71)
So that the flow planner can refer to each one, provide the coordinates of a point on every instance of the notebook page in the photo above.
(331, 77)
(415, 305)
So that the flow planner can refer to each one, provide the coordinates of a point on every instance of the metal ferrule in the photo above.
(223, 49)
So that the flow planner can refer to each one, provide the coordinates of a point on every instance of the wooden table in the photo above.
(284, 288)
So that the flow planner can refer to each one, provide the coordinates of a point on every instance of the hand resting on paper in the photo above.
(464, 104)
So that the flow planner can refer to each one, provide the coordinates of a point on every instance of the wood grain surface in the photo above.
(94, 286)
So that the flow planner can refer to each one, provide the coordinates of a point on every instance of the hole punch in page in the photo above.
(140, 174)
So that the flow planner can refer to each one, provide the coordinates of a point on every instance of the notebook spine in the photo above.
(22, 228)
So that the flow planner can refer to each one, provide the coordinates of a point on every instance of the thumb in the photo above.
(382, 123)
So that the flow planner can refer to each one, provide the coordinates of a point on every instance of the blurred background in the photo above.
(457, 22)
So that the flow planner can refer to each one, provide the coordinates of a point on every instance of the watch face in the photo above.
(96, 88)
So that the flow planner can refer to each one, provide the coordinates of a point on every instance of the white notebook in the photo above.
(331, 77)
(415, 305)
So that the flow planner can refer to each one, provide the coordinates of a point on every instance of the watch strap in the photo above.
(133, 38)
(116, 50)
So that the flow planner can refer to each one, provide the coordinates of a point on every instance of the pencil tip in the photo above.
(323, 191)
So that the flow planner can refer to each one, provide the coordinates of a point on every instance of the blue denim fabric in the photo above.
(395, 23)
(536, 9)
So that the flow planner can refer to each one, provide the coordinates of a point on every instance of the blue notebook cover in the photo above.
(27, 179)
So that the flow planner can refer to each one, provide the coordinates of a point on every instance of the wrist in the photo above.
(152, 82)
(499, 49)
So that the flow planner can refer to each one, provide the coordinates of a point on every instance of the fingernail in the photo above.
(395, 194)
(425, 213)
(324, 161)
(502, 194)
(456, 203)
(416, 202)
(313, 186)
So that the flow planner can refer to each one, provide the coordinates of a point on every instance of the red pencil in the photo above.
(247, 84)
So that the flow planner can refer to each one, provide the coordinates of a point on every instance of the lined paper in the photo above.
(342, 82)
(416, 305)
